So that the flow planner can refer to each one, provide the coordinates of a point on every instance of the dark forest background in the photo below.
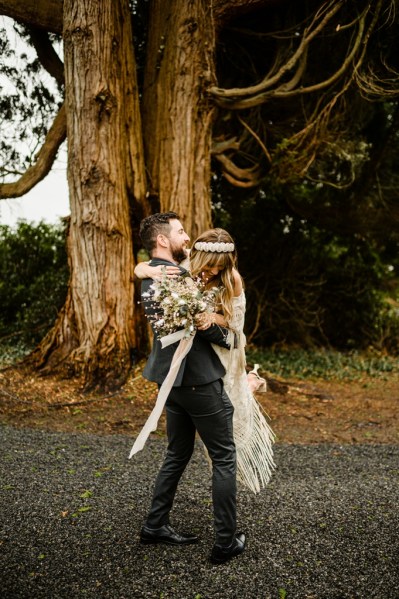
(318, 246)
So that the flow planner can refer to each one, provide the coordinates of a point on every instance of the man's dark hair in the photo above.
(154, 225)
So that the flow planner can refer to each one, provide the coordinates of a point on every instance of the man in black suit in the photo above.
(197, 402)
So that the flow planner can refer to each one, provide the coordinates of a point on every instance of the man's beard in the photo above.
(179, 254)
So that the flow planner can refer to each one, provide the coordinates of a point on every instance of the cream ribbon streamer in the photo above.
(181, 351)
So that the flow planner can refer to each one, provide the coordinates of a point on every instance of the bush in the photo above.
(306, 285)
(33, 280)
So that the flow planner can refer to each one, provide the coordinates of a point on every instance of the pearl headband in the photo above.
(219, 246)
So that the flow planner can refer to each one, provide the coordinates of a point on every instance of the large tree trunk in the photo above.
(177, 115)
(95, 332)
(99, 325)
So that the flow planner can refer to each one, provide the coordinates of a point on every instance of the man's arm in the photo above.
(217, 335)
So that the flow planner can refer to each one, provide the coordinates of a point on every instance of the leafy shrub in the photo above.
(33, 280)
(309, 286)
(327, 364)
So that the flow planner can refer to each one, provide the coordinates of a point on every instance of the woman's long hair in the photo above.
(226, 261)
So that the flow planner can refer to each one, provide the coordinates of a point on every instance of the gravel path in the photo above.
(72, 504)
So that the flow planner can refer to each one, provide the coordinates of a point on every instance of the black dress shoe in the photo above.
(221, 554)
(165, 534)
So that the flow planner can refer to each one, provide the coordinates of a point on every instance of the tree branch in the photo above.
(282, 92)
(238, 182)
(46, 54)
(224, 10)
(44, 160)
(45, 14)
(219, 147)
(268, 82)
(258, 139)
(240, 177)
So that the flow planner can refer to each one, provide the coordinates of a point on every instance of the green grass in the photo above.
(323, 363)
(295, 362)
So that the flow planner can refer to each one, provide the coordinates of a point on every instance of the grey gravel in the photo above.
(72, 506)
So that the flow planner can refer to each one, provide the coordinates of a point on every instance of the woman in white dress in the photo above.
(213, 259)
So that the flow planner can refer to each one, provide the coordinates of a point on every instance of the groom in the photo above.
(197, 402)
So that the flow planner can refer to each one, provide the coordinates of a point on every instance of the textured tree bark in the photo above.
(95, 331)
(177, 114)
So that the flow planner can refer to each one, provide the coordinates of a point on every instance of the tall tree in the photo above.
(105, 170)
(239, 83)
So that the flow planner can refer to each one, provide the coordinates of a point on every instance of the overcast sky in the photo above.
(47, 201)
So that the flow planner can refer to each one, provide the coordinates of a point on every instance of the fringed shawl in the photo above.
(252, 434)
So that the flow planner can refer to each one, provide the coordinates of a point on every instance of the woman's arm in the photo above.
(143, 270)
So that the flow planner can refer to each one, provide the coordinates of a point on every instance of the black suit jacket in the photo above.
(200, 366)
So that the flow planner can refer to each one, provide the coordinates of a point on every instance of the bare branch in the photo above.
(44, 160)
(238, 172)
(294, 81)
(258, 139)
(240, 177)
(239, 183)
(370, 84)
(224, 10)
(284, 92)
(373, 86)
(46, 54)
(269, 82)
(307, 142)
(219, 147)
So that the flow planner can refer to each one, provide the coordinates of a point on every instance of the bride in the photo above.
(213, 259)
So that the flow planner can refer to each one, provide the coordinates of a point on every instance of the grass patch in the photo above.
(323, 363)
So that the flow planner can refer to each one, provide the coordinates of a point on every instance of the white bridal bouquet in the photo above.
(180, 300)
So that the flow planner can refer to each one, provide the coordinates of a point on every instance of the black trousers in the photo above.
(208, 410)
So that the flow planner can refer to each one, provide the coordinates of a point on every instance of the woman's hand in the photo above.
(157, 272)
(205, 320)
(144, 271)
